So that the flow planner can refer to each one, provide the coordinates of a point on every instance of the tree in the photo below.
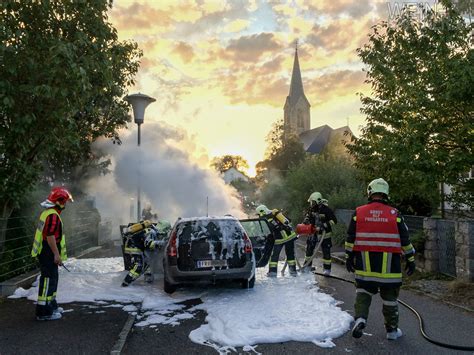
(284, 152)
(419, 130)
(335, 178)
(62, 78)
(225, 162)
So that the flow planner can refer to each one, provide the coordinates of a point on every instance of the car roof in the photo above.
(207, 218)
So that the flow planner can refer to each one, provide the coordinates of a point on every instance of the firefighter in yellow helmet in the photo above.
(141, 239)
(376, 238)
(322, 218)
(49, 247)
(284, 237)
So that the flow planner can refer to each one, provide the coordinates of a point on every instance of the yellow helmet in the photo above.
(315, 197)
(379, 186)
(262, 210)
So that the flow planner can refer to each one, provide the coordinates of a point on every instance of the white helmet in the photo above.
(379, 186)
(262, 210)
(316, 197)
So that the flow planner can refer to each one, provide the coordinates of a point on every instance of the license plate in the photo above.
(211, 263)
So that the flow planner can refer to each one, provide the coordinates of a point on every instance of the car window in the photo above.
(255, 227)
(209, 229)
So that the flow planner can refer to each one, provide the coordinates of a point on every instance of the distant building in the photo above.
(233, 174)
(297, 119)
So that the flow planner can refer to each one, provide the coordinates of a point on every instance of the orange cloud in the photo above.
(185, 51)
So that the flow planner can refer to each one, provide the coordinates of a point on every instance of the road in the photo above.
(94, 329)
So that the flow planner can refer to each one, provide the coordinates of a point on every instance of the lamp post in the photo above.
(139, 103)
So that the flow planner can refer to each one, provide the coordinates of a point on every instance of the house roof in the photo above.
(316, 139)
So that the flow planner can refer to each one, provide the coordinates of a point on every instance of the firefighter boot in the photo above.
(394, 334)
(358, 328)
(292, 269)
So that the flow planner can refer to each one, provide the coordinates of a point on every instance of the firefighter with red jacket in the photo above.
(49, 247)
(284, 236)
(376, 239)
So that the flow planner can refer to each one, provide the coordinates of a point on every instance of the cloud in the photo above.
(338, 83)
(237, 25)
(250, 48)
(334, 8)
(185, 51)
(140, 17)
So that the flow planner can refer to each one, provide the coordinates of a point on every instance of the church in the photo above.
(297, 119)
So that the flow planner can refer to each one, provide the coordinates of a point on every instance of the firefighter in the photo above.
(322, 218)
(49, 247)
(284, 236)
(376, 238)
(142, 239)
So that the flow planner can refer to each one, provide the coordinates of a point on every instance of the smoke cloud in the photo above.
(171, 181)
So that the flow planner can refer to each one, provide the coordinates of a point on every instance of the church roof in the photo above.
(316, 139)
(296, 86)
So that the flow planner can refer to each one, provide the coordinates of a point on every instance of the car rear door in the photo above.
(258, 230)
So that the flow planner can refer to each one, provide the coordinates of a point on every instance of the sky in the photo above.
(220, 70)
(317, 317)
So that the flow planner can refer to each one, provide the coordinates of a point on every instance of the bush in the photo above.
(339, 233)
(418, 240)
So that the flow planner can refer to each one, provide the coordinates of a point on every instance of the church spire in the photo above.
(297, 118)
(296, 86)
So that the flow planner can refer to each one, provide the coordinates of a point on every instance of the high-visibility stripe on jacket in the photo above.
(376, 229)
(278, 222)
(38, 241)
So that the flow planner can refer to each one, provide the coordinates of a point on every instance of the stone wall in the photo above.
(429, 260)
(465, 250)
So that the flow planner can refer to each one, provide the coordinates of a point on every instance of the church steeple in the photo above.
(296, 86)
(296, 111)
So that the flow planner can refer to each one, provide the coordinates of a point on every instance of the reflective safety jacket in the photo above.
(323, 217)
(280, 227)
(376, 229)
(38, 241)
(376, 238)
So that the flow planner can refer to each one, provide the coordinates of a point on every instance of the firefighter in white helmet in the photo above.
(376, 238)
(322, 218)
(284, 237)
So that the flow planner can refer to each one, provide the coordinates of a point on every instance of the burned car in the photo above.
(207, 249)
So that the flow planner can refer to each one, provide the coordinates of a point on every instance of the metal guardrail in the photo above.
(81, 233)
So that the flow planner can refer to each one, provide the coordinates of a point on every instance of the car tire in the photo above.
(167, 287)
(246, 283)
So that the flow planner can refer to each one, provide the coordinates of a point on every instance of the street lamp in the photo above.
(139, 103)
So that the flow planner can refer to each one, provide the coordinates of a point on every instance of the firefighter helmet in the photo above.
(315, 197)
(379, 186)
(163, 226)
(59, 196)
(262, 210)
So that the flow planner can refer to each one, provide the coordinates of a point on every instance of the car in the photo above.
(203, 250)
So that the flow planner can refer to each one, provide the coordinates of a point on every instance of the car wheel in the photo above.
(167, 287)
(246, 283)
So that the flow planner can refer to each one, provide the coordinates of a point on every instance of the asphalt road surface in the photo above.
(94, 329)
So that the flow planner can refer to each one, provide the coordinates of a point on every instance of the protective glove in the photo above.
(410, 267)
(306, 220)
(350, 266)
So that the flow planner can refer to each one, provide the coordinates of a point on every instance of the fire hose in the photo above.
(420, 320)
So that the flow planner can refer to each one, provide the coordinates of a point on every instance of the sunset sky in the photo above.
(220, 71)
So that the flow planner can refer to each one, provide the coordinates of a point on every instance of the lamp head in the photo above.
(139, 103)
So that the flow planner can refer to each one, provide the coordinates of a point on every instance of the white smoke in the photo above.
(171, 182)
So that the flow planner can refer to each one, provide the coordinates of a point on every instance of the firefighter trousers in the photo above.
(138, 267)
(389, 299)
(290, 256)
(326, 245)
(48, 286)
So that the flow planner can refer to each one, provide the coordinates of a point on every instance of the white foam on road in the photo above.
(275, 310)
